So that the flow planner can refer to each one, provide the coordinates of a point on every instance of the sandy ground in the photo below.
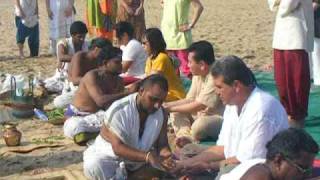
(235, 27)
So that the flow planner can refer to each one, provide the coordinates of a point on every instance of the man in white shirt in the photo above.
(133, 56)
(132, 126)
(251, 118)
(292, 40)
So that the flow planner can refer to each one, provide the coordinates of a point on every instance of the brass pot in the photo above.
(11, 135)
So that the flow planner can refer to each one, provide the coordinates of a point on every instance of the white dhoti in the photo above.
(79, 124)
(56, 82)
(315, 62)
(99, 160)
(66, 97)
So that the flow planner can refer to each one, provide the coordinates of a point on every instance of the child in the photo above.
(26, 19)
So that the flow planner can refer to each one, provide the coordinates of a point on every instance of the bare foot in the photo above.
(21, 56)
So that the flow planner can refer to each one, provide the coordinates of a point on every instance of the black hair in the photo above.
(203, 51)
(78, 27)
(124, 27)
(156, 41)
(108, 53)
(100, 43)
(232, 68)
(155, 79)
(290, 143)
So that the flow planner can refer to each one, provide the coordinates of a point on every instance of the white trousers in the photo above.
(79, 124)
(315, 62)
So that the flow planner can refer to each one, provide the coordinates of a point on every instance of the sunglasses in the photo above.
(303, 170)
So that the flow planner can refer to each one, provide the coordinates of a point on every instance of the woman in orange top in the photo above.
(159, 62)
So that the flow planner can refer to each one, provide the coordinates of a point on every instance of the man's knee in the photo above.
(94, 168)
(71, 126)
(205, 127)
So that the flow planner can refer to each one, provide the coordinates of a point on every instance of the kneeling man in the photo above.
(98, 89)
(132, 127)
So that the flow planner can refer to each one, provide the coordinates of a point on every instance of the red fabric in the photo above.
(182, 55)
(292, 76)
(129, 80)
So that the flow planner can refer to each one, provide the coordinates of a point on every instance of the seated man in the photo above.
(132, 126)
(98, 89)
(198, 116)
(251, 118)
(66, 48)
(290, 155)
(81, 63)
(133, 55)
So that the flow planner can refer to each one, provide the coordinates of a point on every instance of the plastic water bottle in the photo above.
(121, 172)
(41, 115)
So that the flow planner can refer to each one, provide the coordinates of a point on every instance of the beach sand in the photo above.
(235, 27)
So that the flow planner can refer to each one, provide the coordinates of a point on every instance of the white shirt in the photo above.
(29, 9)
(134, 52)
(294, 26)
(246, 135)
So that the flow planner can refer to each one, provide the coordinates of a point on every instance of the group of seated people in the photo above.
(125, 99)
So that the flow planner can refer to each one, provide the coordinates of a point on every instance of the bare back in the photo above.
(79, 66)
(93, 89)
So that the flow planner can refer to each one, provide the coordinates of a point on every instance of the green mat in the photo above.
(312, 126)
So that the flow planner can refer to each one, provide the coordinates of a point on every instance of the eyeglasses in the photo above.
(304, 171)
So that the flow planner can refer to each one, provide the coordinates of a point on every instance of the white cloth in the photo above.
(29, 9)
(294, 19)
(241, 169)
(134, 52)
(79, 124)
(315, 62)
(67, 95)
(245, 136)
(60, 24)
(122, 118)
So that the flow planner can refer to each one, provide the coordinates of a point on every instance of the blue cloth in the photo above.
(32, 33)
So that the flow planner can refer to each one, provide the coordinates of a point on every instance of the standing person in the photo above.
(177, 29)
(315, 56)
(159, 62)
(60, 13)
(292, 40)
(101, 16)
(27, 23)
(132, 11)
(133, 55)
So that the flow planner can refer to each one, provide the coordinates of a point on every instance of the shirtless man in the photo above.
(81, 63)
(98, 89)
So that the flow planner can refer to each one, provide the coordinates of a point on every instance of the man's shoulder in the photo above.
(262, 99)
(121, 105)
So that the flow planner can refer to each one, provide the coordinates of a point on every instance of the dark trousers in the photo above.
(292, 76)
(32, 33)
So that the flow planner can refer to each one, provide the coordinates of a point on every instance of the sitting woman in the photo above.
(159, 62)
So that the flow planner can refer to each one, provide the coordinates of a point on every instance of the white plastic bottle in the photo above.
(121, 172)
